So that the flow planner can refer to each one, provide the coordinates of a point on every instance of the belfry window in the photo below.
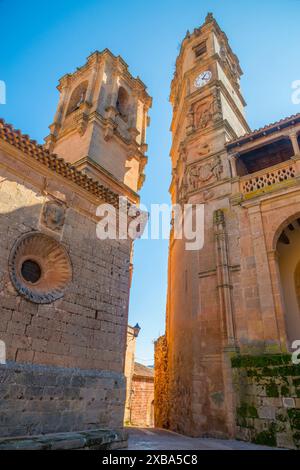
(122, 102)
(200, 49)
(77, 97)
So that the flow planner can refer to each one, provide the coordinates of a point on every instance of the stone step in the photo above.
(96, 439)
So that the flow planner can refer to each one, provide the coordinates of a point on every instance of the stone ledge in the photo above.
(96, 439)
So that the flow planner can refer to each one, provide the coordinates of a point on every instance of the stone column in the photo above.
(111, 110)
(294, 140)
(61, 104)
(56, 125)
(278, 299)
(233, 159)
(224, 282)
(111, 107)
(91, 86)
(132, 129)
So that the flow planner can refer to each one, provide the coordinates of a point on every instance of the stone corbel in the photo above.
(144, 148)
(111, 113)
(141, 181)
(82, 123)
(109, 131)
(133, 133)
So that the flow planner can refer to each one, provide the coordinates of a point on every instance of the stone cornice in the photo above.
(118, 63)
(264, 131)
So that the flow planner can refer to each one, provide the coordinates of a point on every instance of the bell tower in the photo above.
(208, 108)
(101, 120)
(208, 112)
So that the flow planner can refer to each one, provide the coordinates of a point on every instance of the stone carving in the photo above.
(217, 168)
(190, 121)
(202, 173)
(53, 216)
(204, 149)
(40, 268)
(208, 195)
(203, 115)
(217, 105)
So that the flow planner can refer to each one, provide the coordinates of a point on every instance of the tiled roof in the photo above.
(142, 371)
(37, 152)
(268, 129)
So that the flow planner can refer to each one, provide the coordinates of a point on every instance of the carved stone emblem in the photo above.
(201, 173)
(53, 216)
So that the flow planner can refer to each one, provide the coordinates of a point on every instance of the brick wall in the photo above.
(142, 402)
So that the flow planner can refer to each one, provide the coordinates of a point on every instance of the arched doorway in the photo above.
(150, 413)
(288, 249)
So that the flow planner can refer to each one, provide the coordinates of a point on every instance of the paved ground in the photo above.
(157, 439)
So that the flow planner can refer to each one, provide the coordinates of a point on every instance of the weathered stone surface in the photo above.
(266, 419)
(56, 399)
(97, 439)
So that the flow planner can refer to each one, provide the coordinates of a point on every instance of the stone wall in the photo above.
(43, 399)
(161, 398)
(267, 391)
(83, 330)
(129, 370)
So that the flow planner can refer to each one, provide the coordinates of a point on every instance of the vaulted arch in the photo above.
(288, 250)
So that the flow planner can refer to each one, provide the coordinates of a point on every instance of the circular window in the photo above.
(31, 271)
(40, 268)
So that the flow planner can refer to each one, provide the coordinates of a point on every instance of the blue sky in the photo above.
(41, 41)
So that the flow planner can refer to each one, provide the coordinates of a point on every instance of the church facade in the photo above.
(63, 292)
(224, 366)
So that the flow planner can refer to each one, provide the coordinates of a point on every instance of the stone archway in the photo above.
(288, 250)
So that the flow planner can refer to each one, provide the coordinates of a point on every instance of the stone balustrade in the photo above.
(268, 178)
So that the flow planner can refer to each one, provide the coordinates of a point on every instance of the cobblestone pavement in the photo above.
(158, 439)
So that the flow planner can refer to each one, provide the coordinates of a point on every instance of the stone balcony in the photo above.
(265, 160)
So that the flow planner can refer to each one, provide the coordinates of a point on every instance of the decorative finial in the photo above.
(209, 18)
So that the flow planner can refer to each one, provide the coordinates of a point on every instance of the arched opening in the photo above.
(77, 97)
(288, 249)
(122, 102)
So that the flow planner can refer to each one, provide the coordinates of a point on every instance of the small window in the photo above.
(200, 50)
(31, 271)
(122, 102)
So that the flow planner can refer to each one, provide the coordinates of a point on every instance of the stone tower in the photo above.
(232, 307)
(208, 111)
(64, 292)
(101, 120)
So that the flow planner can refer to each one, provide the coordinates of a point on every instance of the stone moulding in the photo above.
(54, 263)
